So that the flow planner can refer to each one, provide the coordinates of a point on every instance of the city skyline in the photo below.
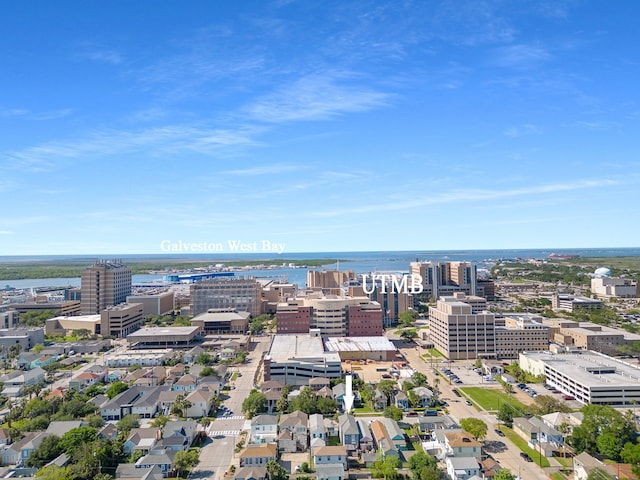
(341, 126)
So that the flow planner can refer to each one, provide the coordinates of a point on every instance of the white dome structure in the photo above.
(602, 272)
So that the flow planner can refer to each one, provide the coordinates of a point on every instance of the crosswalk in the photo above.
(232, 417)
(226, 433)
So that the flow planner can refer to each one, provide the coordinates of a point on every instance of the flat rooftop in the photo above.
(162, 331)
(358, 344)
(287, 347)
(222, 316)
(79, 318)
(591, 369)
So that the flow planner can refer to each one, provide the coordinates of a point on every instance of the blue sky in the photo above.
(323, 126)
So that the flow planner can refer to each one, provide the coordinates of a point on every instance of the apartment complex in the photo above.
(237, 293)
(121, 320)
(614, 287)
(446, 278)
(459, 333)
(104, 284)
(332, 315)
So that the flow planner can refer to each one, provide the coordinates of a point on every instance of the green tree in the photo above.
(95, 421)
(254, 403)
(116, 388)
(505, 415)
(282, 405)
(419, 379)
(409, 334)
(600, 420)
(128, 423)
(275, 471)
(204, 359)
(185, 460)
(387, 387)
(393, 412)
(159, 421)
(504, 474)
(75, 437)
(306, 402)
(631, 454)
(475, 427)
(54, 472)
(37, 348)
(208, 372)
(48, 449)
(423, 466)
(326, 405)
(609, 445)
(386, 467)
(407, 318)
(180, 405)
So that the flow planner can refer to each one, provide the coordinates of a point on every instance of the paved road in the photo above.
(500, 448)
(224, 432)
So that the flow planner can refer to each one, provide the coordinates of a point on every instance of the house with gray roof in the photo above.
(349, 433)
(264, 429)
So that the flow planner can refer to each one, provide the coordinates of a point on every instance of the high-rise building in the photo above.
(329, 280)
(459, 333)
(121, 320)
(235, 293)
(446, 278)
(104, 284)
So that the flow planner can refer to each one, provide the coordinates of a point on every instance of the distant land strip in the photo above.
(73, 268)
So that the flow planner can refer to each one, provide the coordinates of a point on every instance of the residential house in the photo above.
(541, 436)
(489, 468)
(57, 392)
(264, 429)
(186, 383)
(123, 403)
(339, 390)
(130, 472)
(15, 382)
(437, 422)
(325, 392)
(316, 443)
(4, 437)
(379, 400)
(212, 382)
(149, 402)
(31, 445)
(59, 428)
(142, 440)
(297, 423)
(348, 430)
(316, 427)
(318, 383)
(287, 442)
(462, 468)
(108, 432)
(184, 430)
(396, 434)
(258, 455)
(13, 454)
(458, 443)
(330, 455)
(83, 380)
(152, 377)
(251, 473)
(331, 427)
(191, 356)
(272, 385)
(116, 375)
(401, 400)
(366, 438)
(584, 464)
(200, 401)
(99, 400)
(382, 440)
(166, 400)
(563, 421)
(272, 397)
(163, 460)
(131, 377)
(330, 471)
(424, 395)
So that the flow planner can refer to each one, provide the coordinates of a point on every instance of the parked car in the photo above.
(526, 457)
(499, 432)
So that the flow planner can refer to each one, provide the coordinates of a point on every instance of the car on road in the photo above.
(499, 432)
(456, 393)
(467, 402)
(526, 457)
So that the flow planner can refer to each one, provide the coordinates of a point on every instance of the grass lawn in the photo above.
(564, 461)
(234, 376)
(558, 476)
(363, 410)
(491, 399)
(333, 441)
(522, 445)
